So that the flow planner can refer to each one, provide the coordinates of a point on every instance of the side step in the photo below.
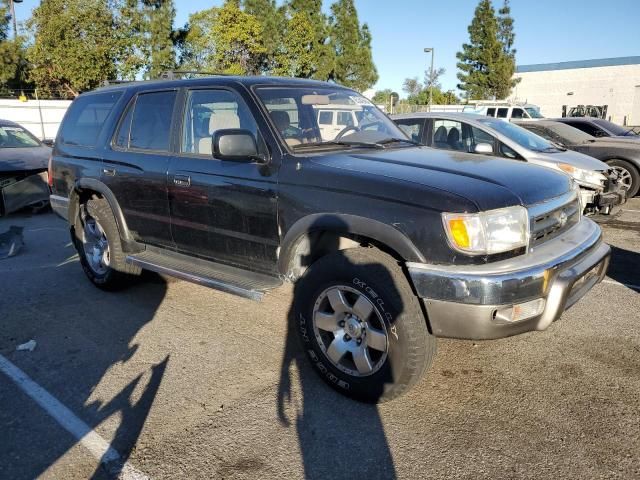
(209, 274)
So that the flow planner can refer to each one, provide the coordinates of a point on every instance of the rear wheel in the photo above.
(628, 176)
(361, 325)
(97, 241)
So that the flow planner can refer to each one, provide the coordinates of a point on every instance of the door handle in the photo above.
(182, 180)
(109, 171)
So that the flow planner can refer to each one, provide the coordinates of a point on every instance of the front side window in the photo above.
(521, 136)
(85, 118)
(209, 111)
(295, 113)
(533, 112)
(151, 121)
(16, 137)
(412, 128)
(447, 135)
(517, 113)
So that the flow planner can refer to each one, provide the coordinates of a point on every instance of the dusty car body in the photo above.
(485, 135)
(622, 155)
(599, 128)
(23, 169)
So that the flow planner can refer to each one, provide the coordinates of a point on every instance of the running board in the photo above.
(209, 274)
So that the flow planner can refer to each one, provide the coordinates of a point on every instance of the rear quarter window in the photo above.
(86, 116)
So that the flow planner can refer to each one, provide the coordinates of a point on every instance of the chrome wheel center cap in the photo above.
(353, 327)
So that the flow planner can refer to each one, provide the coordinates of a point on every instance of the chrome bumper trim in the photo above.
(60, 206)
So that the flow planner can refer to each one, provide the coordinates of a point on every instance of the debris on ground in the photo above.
(27, 347)
(11, 242)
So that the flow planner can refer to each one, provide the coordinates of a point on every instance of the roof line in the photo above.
(599, 62)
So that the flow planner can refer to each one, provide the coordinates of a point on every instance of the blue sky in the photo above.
(546, 31)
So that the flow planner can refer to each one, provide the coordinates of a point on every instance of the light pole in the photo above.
(13, 17)
(432, 51)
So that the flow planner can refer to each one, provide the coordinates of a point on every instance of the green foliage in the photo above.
(295, 57)
(273, 22)
(381, 97)
(158, 46)
(74, 48)
(486, 64)
(198, 45)
(412, 86)
(351, 44)
(237, 37)
(418, 93)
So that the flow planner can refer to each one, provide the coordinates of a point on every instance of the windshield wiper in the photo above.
(386, 141)
(340, 143)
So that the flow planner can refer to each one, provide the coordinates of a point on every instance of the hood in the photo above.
(22, 159)
(576, 159)
(488, 182)
(624, 142)
(626, 138)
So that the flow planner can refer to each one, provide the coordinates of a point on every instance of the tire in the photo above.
(368, 281)
(630, 173)
(97, 242)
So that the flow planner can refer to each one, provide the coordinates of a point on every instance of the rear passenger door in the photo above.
(222, 210)
(135, 167)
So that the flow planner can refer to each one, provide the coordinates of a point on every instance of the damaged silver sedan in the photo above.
(23, 169)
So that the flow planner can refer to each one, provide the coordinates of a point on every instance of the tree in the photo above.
(130, 28)
(295, 57)
(198, 45)
(321, 52)
(273, 22)
(483, 64)
(159, 40)
(351, 43)
(412, 86)
(507, 37)
(74, 48)
(381, 97)
(237, 37)
(433, 80)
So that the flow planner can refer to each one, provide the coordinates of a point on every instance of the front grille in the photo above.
(549, 224)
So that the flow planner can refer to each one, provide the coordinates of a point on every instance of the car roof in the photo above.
(575, 119)
(204, 81)
(9, 123)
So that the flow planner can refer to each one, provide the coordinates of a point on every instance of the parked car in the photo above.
(332, 119)
(491, 136)
(390, 245)
(599, 127)
(23, 169)
(621, 156)
(505, 110)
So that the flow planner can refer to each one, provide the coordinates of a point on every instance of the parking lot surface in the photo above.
(187, 382)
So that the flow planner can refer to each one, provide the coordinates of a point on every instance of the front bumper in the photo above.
(60, 206)
(604, 202)
(464, 302)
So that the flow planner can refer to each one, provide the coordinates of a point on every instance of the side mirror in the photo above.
(235, 144)
(484, 148)
(48, 142)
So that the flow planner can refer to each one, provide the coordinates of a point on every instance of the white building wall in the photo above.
(614, 86)
(40, 117)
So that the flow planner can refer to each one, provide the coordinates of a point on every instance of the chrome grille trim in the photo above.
(549, 219)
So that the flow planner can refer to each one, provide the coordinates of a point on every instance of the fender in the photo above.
(128, 243)
(348, 224)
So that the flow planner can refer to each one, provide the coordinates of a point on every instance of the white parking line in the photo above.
(628, 285)
(98, 446)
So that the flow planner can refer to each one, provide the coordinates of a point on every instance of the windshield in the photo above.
(317, 118)
(521, 136)
(16, 137)
(533, 112)
(614, 128)
(568, 134)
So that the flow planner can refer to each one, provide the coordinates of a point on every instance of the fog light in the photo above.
(521, 311)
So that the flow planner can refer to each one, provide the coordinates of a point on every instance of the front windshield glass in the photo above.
(569, 134)
(533, 112)
(521, 136)
(614, 128)
(16, 137)
(317, 118)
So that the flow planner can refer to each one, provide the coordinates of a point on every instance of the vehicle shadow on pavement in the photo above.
(80, 347)
(624, 267)
(338, 437)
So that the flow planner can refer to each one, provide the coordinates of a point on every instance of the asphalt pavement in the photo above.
(167, 379)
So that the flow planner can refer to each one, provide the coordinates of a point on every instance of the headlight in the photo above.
(489, 232)
(588, 178)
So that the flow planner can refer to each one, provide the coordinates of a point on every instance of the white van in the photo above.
(332, 119)
(506, 111)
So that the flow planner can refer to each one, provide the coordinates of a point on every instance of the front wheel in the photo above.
(361, 325)
(628, 176)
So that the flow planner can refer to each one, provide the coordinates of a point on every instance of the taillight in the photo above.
(50, 171)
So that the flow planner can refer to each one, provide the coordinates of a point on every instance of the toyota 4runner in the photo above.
(230, 182)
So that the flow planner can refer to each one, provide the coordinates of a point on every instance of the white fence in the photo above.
(40, 117)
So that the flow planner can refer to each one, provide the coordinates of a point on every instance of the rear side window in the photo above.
(491, 112)
(345, 118)
(86, 116)
(146, 124)
(325, 118)
(503, 112)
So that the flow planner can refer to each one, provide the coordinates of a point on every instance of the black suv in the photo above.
(239, 184)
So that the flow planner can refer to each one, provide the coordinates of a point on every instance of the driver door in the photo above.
(222, 210)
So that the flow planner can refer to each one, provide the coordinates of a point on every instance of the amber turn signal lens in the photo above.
(459, 232)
